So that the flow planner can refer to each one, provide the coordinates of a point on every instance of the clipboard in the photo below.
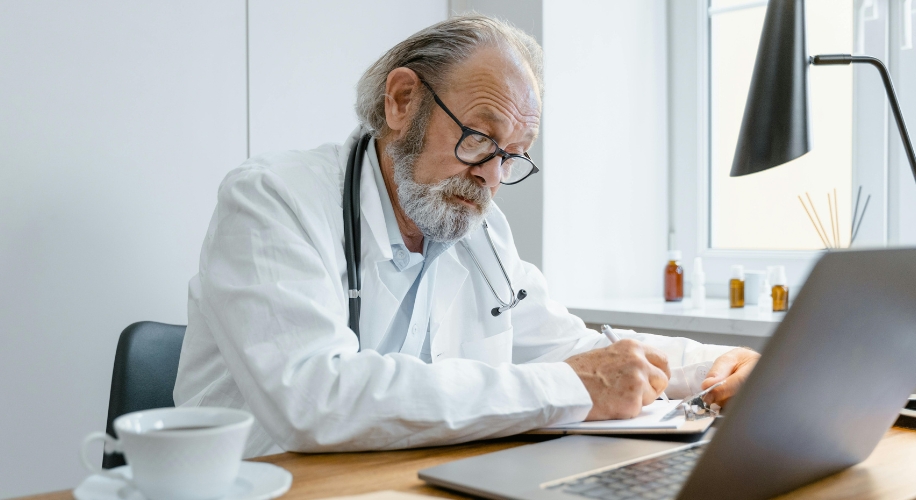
(647, 422)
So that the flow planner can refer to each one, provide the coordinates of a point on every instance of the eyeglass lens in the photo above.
(477, 148)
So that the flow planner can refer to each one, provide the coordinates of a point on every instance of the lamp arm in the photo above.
(834, 59)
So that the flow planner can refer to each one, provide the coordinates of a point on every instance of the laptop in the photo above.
(830, 382)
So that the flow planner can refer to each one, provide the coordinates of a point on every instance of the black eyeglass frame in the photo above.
(466, 131)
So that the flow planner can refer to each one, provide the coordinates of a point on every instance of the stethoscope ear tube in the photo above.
(352, 229)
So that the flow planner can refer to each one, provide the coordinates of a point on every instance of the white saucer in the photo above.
(256, 481)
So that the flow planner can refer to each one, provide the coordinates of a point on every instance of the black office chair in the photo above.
(145, 368)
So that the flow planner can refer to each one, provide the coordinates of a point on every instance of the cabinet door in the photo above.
(117, 122)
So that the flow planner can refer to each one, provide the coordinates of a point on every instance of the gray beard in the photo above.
(431, 206)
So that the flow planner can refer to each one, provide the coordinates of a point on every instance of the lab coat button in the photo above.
(402, 254)
(413, 329)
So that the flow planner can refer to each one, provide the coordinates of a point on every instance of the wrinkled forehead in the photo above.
(495, 84)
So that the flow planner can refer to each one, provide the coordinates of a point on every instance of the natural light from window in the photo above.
(762, 211)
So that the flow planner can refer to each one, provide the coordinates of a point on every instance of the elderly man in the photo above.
(447, 116)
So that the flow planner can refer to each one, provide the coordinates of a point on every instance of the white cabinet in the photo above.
(117, 122)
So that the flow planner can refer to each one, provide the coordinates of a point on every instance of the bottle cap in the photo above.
(778, 275)
(765, 288)
(738, 272)
(674, 255)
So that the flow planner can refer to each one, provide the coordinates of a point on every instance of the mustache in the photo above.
(462, 187)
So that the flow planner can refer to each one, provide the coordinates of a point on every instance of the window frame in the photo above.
(690, 186)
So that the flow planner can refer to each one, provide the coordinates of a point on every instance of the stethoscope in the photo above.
(352, 242)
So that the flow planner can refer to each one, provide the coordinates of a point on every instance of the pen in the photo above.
(609, 333)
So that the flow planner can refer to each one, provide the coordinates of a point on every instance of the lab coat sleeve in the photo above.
(546, 331)
(688, 359)
(271, 295)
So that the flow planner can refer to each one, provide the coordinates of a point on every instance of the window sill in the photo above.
(656, 314)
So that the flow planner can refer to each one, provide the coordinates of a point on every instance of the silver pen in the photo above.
(609, 333)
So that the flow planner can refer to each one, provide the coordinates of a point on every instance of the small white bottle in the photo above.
(764, 300)
(698, 291)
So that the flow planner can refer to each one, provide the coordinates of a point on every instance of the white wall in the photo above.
(523, 204)
(306, 57)
(605, 196)
(118, 122)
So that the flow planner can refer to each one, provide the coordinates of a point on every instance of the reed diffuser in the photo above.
(832, 239)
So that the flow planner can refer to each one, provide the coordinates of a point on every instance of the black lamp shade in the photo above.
(775, 125)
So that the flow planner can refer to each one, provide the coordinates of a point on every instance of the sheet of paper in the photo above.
(650, 418)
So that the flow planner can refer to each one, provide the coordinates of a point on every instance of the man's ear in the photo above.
(401, 99)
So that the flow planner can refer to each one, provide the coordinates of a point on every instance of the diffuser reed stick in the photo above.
(836, 209)
(864, 208)
(833, 239)
(819, 235)
(818, 217)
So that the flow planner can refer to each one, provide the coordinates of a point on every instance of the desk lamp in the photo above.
(775, 125)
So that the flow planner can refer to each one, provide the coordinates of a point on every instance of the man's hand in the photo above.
(733, 367)
(621, 378)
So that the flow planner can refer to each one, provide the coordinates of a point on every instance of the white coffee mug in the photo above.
(178, 453)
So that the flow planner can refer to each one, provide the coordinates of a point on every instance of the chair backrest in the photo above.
(145, 367)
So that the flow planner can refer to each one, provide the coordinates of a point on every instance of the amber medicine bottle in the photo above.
(736, 287)
(780, 289)
(674, 277)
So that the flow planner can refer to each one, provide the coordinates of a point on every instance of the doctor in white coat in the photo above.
(268, 311)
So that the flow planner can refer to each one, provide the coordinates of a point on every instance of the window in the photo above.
(757, 220)
(762, 211)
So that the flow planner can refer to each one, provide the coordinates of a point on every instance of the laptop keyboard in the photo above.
(656, 478)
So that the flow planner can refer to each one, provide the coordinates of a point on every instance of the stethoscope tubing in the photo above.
(513, 299)
(353, 230)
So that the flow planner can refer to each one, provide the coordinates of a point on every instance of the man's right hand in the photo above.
(621, 378)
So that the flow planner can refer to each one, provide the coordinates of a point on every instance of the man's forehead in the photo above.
(503, 118)
(495, 83)
(488, 114)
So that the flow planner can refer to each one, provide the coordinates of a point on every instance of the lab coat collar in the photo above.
(391, 222)
(379, 305)
(450, 277)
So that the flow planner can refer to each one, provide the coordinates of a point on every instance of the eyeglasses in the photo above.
(476, 148)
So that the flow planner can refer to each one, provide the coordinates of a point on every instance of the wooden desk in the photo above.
(887, 474)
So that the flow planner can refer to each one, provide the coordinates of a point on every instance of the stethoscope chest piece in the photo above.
(496, 311)
(514, 298)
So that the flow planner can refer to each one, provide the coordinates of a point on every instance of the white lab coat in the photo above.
(267, 325)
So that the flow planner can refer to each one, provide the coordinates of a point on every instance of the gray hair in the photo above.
(432, 53)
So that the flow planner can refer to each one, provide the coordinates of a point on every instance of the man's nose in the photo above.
(489, 173)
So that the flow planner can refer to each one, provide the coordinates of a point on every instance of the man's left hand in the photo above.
(733, 367)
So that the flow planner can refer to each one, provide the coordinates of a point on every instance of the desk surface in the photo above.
(886, 474)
